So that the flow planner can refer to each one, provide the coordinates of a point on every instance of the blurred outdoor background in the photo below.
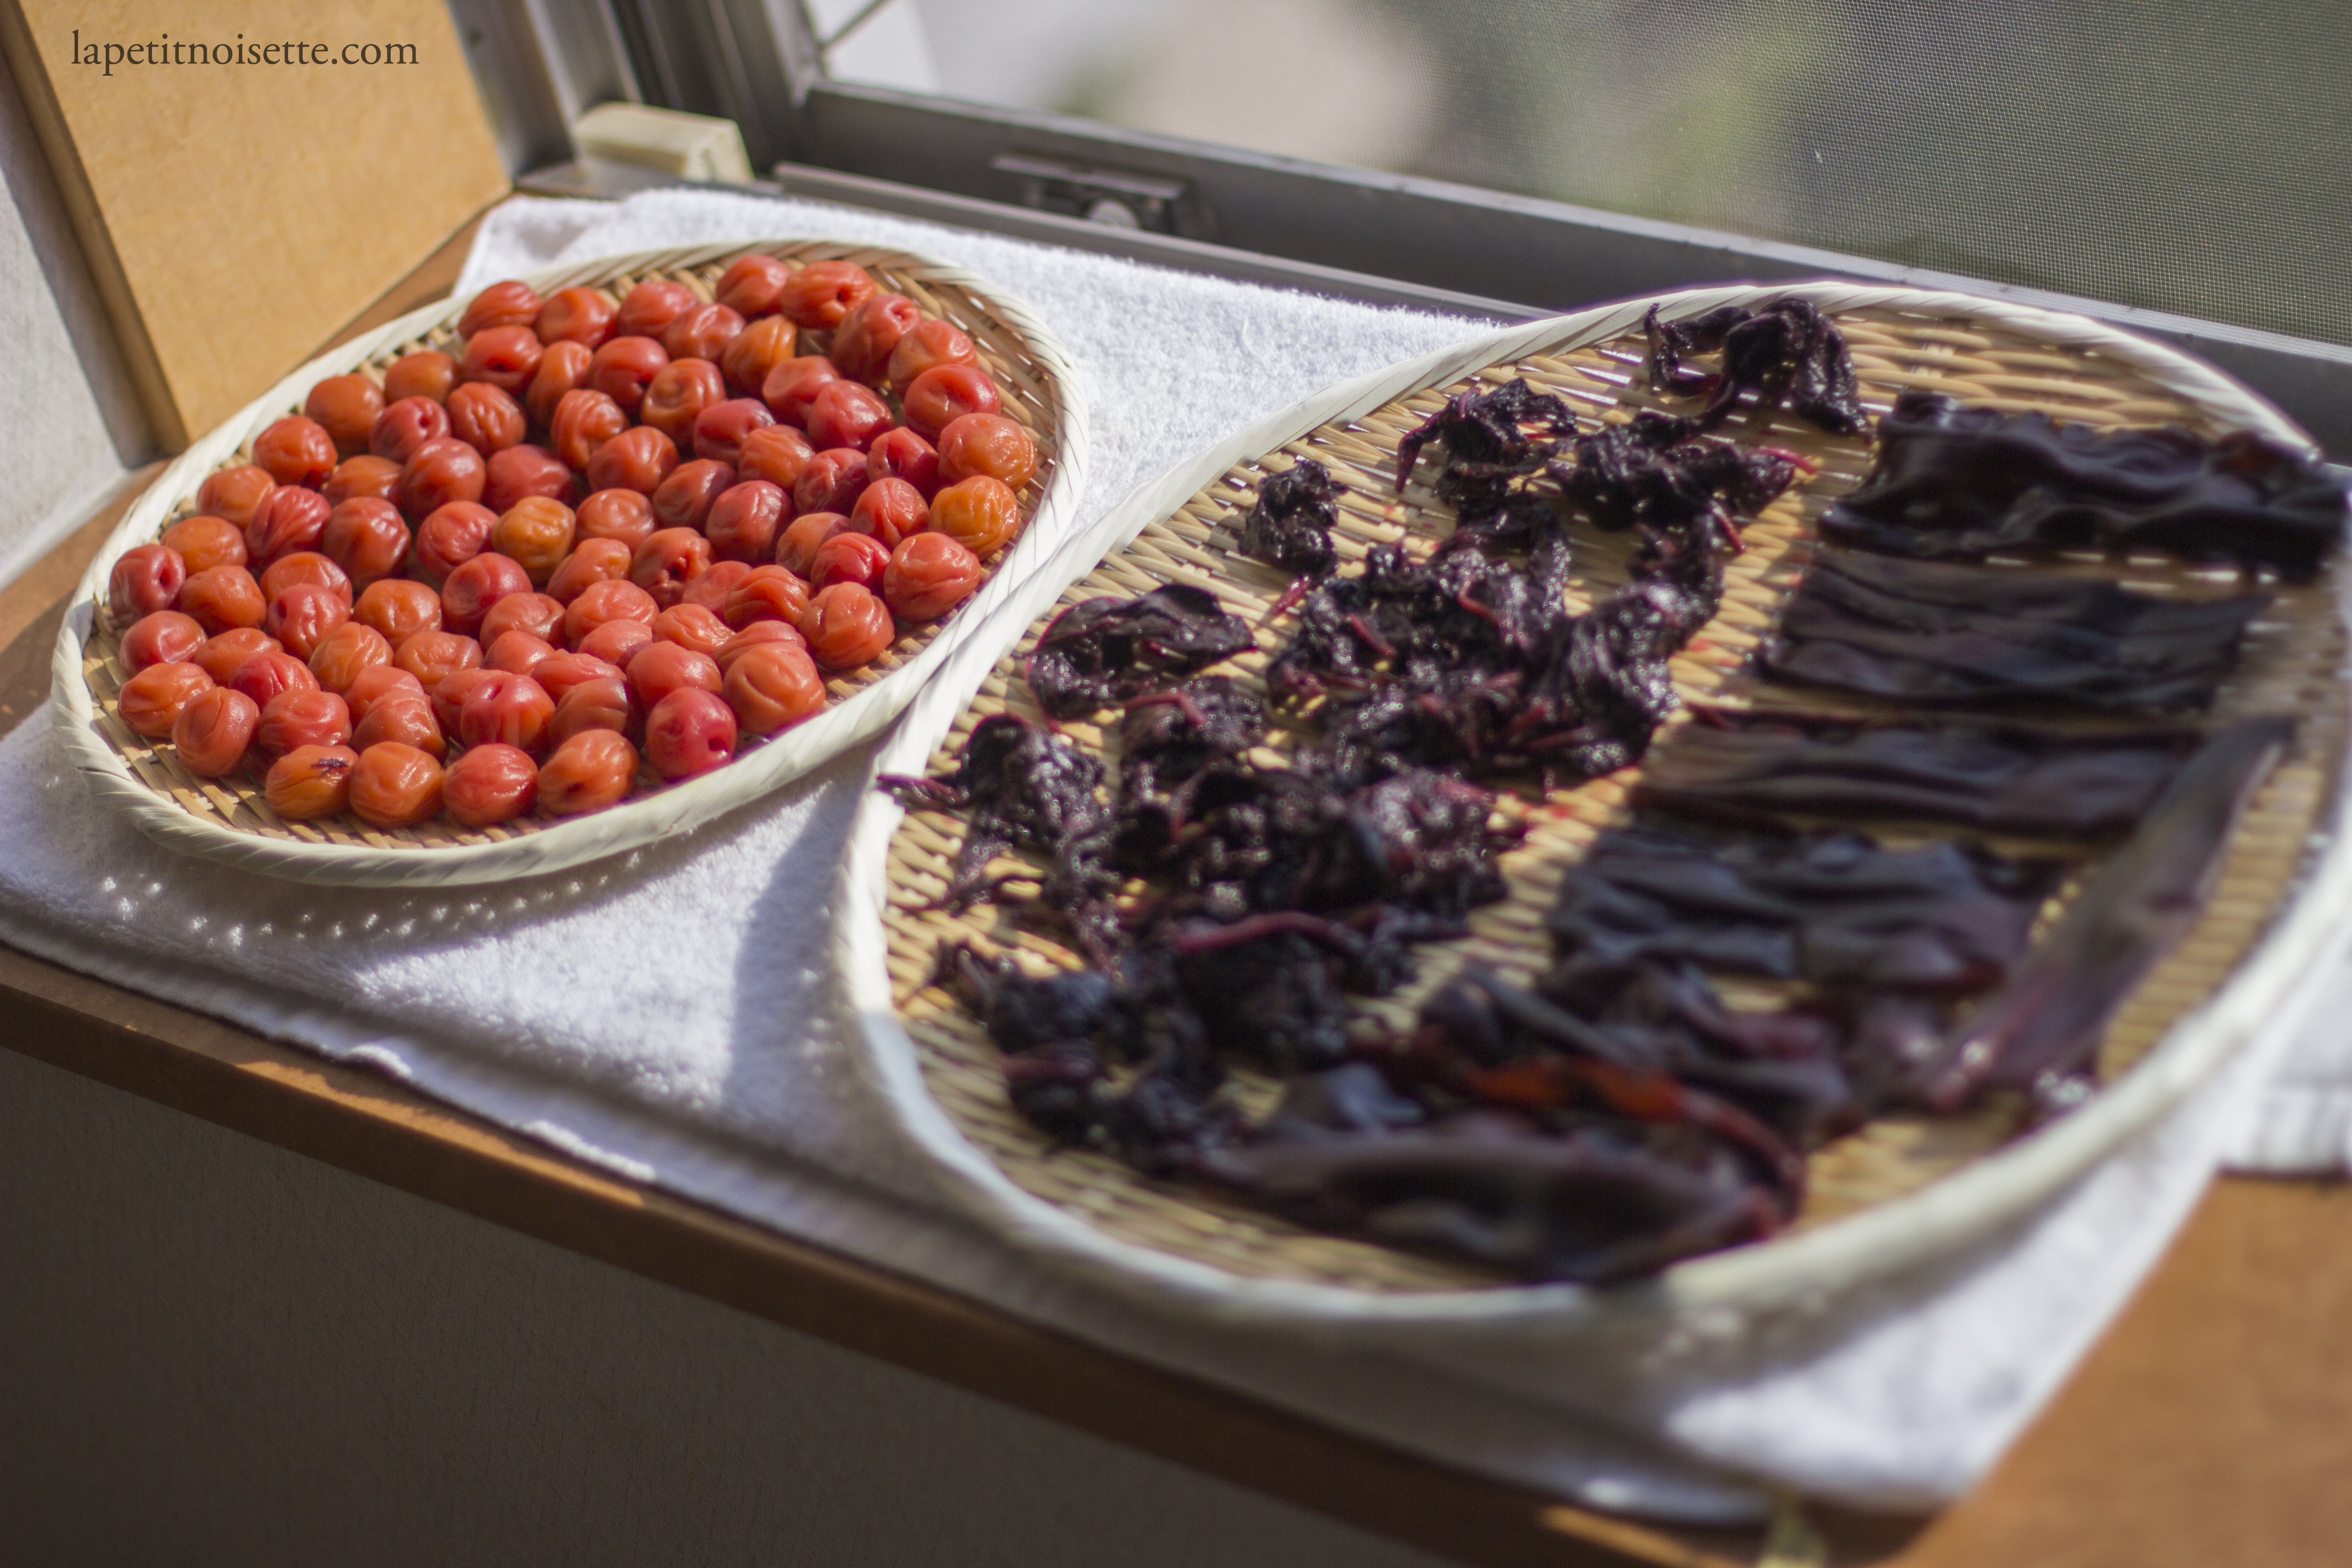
(2185, 157)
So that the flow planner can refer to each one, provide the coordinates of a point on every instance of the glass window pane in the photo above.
(2185, 157)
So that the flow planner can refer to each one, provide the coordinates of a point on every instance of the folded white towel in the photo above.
(663, 1014)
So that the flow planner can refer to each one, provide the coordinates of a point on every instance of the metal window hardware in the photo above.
(1113, 196)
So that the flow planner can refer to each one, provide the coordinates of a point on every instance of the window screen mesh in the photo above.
(2185, 157)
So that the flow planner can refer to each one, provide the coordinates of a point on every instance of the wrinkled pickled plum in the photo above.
(692, 626)
(821, 295)
(516, 652)
(683, 500)
(404, 720)
(926, 345)
(667, 561)
(744, 521)
(166, 636)
(928, 575)
(232, 494)
(796, 547)
(223, 599)
(793, 386)
(776, 453)
(286, 521)
(617, 642)
(679, 396)
(485, 418)
(303, 616)
(690, 733)
(513, 303)
(534, 614)
(451, 536)
(601, 702)
(624, 368)
(346, 408)
(585, 419)
(581, 316)
(945, 394)
(489, 784)
(987, 443)
(476, 586)
(221, 655)
(306, 567)
(428, 374)
(311, 782)
(766, 593)
(346, 653)
(406, 424)
(868, 335)
(270, 674)
(759, 634)
(434, 656)
(752, 285)
(903, 455)
(437, 474)
(981, 513)
(296, 452)
(563, 369)
(366, 538)
(891, 511)
(399, 609)
(592, 770)
(719, 429)
(660, 667)
(647, 309)
(394, 785)
(215, 730)
(377, 683)
(522, 473)
(506, 709)
(146, 578)
(702, 334)
(850, 557)
(204, 542)
(151, 701)
(372, 477)
(848, 625)
(846, 414)
(504, 357)
(832, 482)
(592, 560)
(756, 351)
(626, 515)
(636, 460)
(773, 686)
(296, 719)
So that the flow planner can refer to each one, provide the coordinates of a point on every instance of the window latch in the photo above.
(1118, 197)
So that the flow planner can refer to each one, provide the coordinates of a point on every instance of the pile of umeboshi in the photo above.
(606, 532)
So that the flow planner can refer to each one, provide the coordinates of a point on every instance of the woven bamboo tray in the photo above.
(1899, 1192)
(227, 819)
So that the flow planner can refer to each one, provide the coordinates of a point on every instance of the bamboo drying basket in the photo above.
(227, 819)
(1900, 1192)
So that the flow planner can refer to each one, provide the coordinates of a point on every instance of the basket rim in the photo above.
(1948, 1214)
(677, 809)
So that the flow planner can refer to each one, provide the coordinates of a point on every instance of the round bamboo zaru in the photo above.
(1892, 1195)
(228, 819)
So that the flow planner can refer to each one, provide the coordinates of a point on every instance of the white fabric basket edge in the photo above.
(679, 809)
(1961, 1209)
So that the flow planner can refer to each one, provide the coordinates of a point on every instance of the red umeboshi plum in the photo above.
(521, 472)
(453, 535)
(313, 567)
(626, 516)
(766, 593)
(659, 668)
(713, 583)
(348, 652)
(847, 625)
(987, 443)
(752, 284)
(719, 429)
(891, 511)
(601, 702)
(690, 733)
(598, 603)
(903, 455)
(476, 586)
(506, 710)
(581, 316)
(448, 697)
(591, 561)
(591, 771)
(433, 656)
(223, 599)
(833, 481)
(926, 345)
(683, 499)
(150, 700)
(485, 417)
(214, 731)
(366, 537)
(535, 533)
(849, 557)
(266, 674)
(616, 642)
(624, 368)
(703, 332)
(846, 413)
(406, 424)
(346, 408)
(204, 542)
(489, 784)
(166, 636)
(506, 357)
(637, 459)
(398, 608)
(293, 719)
(232, 494)
(982, 514)
(793, 385)
(365, 475)
(668, 561)
(428, 374)
(862, 344)
(819, 296)
(518, 652)
(377, 683)
(513, 303)
(647, 309)
(296, 452)
(146, 578)
(744, 521)
(759, 634)
(776, 453)
(694, 626)
(772, 685)
(928, 575)
(678, 396)
(534, 614)
(220, 656)
(311, 782)
(796, 547)
(437, 473)
(945, 394)
(559, 673)
(290, 518)
(402, 718)
(562, 368)
(757, 350)
(301, 617)
(585, 420)
(394, 785)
